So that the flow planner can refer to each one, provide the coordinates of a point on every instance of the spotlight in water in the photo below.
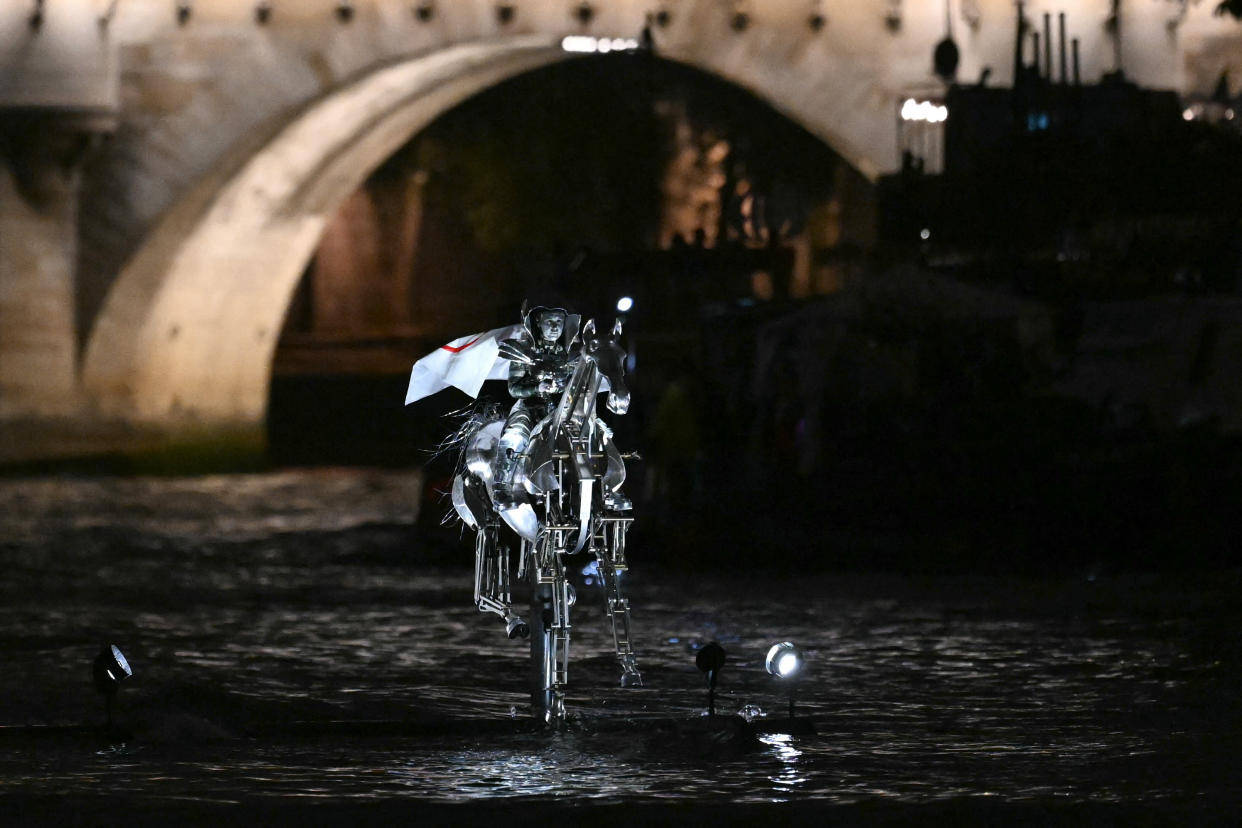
(624, 304)
(785, 662)
(710, 659)
(108, 671)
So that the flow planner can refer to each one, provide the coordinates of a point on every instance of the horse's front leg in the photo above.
(611, 558)
(553, 597)
(492, 590)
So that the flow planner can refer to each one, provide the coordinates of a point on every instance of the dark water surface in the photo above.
(291, 643)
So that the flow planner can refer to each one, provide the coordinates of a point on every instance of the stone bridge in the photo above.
(168, 165)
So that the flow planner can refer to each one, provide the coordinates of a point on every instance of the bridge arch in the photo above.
(188, 328)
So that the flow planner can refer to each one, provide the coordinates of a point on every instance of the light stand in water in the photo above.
(785, 662)
(107, 673)
(710, 659)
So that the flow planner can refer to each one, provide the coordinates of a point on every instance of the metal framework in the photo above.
(568, 481)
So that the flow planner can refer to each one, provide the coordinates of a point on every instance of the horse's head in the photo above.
(609, 358)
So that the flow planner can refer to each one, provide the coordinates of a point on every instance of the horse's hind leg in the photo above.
(611, 558)
(492, 592)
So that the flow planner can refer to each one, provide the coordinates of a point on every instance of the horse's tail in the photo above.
(466, 423)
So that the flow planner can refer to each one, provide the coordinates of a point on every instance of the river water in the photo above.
(292, 639)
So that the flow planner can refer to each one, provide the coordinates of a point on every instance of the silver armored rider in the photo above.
(540, 365)
(550, 472)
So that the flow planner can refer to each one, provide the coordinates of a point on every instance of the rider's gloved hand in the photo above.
(549, 386)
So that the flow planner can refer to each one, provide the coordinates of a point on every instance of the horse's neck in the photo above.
(577, 404)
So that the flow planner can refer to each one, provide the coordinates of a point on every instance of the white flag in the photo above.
(464, 363)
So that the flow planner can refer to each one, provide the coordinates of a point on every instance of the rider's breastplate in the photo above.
(551, 363)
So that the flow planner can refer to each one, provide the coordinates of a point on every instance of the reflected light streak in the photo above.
(789, 756)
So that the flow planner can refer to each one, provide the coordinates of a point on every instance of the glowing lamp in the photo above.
(784, 660)
(624, 304)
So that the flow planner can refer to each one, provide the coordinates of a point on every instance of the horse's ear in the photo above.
(616, 328)
(589, 327)
(525, 304)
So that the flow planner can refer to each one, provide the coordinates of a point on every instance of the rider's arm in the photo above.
(523, 382)
(523, 374)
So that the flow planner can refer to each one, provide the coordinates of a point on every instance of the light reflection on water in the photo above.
(249, 604)
(783, 748)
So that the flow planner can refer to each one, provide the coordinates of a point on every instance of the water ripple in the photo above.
(252, 605)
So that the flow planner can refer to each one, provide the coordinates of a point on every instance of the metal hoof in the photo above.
(617, 502)
(517, 628)
(629, 679)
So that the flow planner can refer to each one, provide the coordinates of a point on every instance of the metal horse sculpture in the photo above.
(568, 482)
